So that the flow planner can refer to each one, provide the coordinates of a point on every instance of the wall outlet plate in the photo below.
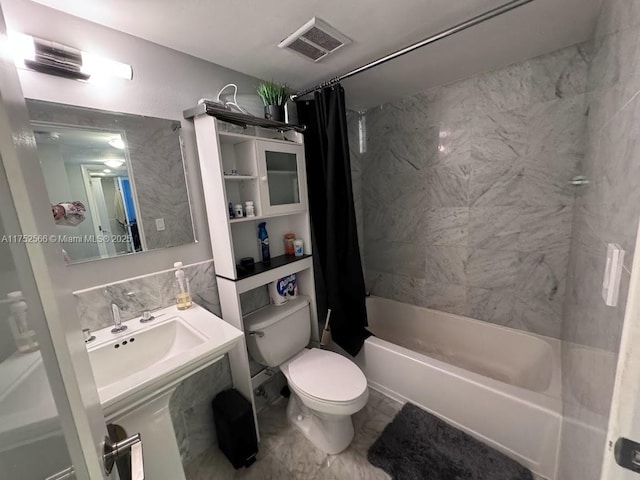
(160, 224)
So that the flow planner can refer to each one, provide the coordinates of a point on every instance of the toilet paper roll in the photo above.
(274, 296)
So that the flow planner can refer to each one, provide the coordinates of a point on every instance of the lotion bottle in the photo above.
(183, 293)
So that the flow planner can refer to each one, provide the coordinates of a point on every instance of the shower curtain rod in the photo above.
(507, 7)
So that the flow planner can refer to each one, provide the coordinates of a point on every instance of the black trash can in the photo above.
(235, 428)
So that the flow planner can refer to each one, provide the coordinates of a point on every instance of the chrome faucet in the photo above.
(117, 322)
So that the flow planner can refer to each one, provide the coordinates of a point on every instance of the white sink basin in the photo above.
(149, 358)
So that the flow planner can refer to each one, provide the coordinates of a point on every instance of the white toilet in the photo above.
(326, 388)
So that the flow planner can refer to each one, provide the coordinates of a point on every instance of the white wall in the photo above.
(165, 82)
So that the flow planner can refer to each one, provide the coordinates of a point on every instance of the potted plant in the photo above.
(274, 96)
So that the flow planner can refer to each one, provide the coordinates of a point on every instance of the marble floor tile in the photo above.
(285, 454)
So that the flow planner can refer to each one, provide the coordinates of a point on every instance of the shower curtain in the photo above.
(336, 256)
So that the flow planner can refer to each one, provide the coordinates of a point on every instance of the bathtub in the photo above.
(498, 384)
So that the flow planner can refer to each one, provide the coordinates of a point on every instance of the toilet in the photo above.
(326, 388)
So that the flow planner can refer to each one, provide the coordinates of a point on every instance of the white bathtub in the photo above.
(498, 384)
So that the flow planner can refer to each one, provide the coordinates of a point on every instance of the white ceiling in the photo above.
(243, 35)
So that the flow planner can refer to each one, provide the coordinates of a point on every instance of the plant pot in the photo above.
(274, 112)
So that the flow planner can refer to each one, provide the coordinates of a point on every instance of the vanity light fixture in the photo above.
(45, 56)
(107, 170)
(117, 142)
(114, 163)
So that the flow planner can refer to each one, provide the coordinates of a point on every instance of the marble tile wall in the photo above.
(606, 210)
(466, 201)
(191, 403)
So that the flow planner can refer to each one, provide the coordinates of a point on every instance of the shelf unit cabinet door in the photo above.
(283, 180)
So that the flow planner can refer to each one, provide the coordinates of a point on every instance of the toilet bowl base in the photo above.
(330, 433)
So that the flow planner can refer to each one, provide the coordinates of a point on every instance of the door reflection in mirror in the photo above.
(89, 167)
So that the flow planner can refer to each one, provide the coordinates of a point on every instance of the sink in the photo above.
(140, 350)
(135, 371)
(151, 357)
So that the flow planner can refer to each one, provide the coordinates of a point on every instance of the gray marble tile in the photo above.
(506, 89)
(491, 268)
(446, 226)
(545, 228)
(199, 423)
(180, 430)
(446, 297)
(542, 274)
(208, 299)
(561, 74)
(445, 264)
(380, 284)
(254, 299)
(299, 456)
(409, 290)
(380, 255)
(458, 101)
(202, 278)
(493, 305)
(132, 296)
(408, 259)
(543, 184)
(501, 136)
(538, 316)
(204, 385)
(385, 405)
(213, 465)
(496, 184)
(454, 145)
(448, 187)
(495, 228)
(557, 127)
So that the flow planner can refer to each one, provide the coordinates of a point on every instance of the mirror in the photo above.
(116, 182)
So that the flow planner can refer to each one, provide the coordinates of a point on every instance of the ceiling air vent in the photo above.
(314, 40)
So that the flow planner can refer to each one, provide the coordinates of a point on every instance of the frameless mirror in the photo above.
(116, 182)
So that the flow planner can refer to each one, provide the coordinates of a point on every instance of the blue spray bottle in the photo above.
(263, 237)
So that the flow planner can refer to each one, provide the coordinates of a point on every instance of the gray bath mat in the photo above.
(418, 446)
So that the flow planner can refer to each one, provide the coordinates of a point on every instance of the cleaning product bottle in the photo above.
(24, 337)
(263, 237)
(183, 294)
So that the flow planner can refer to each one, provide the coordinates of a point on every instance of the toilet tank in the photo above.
(279, 332)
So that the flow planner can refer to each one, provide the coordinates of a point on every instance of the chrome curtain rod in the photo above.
(507, 7)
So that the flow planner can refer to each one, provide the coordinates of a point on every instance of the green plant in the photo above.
(272, 93)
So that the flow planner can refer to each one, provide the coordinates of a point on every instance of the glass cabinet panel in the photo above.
(283, 184)
(282, 178)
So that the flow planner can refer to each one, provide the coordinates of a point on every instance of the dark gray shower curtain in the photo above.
(336, 256)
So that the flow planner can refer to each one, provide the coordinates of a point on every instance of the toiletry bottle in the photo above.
(183, 294)
(263, 237)
(24, 337)
(231, 214)
(249, 208)
(289, 238)
(238, 210)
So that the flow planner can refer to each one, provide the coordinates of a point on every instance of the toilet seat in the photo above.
(327, 377)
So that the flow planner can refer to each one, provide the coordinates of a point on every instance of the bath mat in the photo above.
(418, 446)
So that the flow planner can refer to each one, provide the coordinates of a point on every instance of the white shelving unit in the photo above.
(271, 173)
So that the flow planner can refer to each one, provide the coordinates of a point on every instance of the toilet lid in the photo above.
(327, 376)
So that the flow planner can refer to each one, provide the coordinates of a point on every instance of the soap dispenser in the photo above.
(24, 337)
(183, 293)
